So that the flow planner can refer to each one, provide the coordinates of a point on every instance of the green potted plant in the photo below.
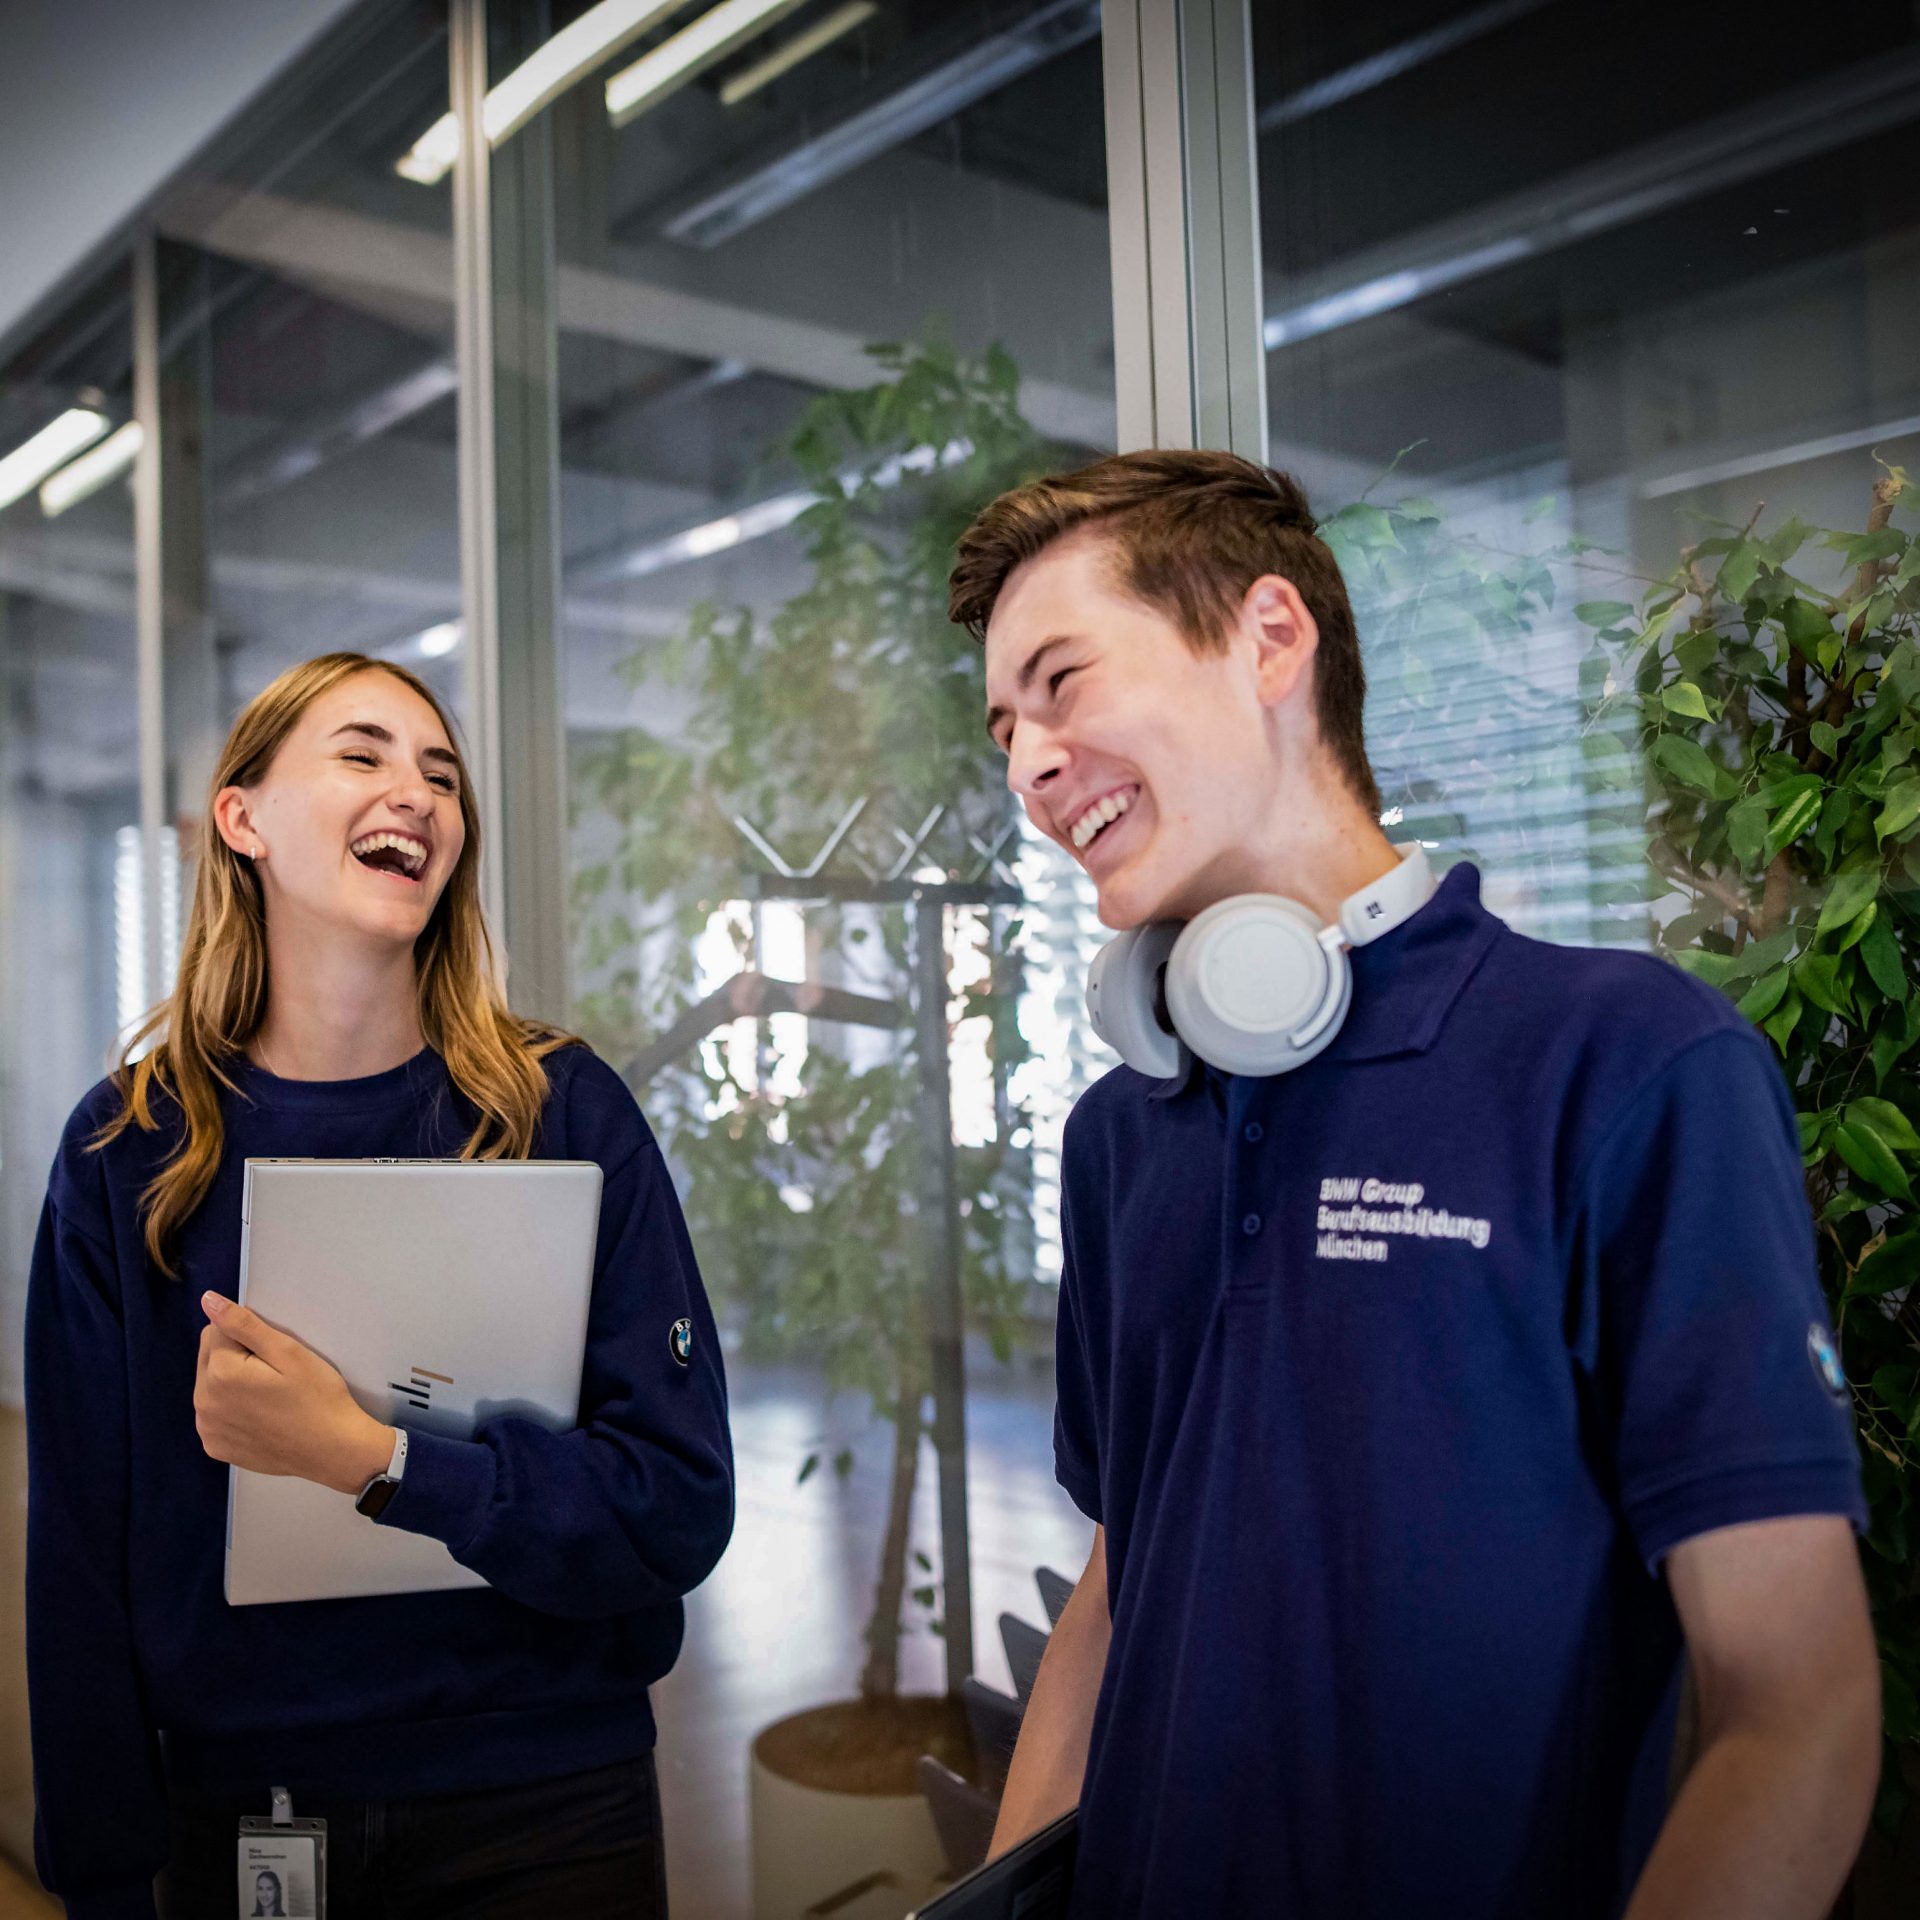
(811, 1194)
(1772, 686)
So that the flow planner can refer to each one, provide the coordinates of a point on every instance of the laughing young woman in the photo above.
(483, 1751)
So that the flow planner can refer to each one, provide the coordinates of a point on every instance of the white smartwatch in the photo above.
(379, 1490)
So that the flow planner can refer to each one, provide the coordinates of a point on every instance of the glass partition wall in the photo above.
(1540, 349)
(816, 291)
(644, 426)
(72, 964)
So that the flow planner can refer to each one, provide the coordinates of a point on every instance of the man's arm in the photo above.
(1050, 1757)
(1781, 1646)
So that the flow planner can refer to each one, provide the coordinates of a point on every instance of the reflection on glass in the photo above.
(71, 955)
(1620, 404)
(1570, 347)
(827, 278)
(308, 405)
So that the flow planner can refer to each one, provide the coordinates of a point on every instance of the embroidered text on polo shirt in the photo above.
(1342, 1232)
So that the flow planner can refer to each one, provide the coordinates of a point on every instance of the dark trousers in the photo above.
(587, 1844)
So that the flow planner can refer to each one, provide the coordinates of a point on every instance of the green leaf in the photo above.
(1687, 761)
(1806, 626)
(1697, 651)
(1817, 975)
(1739, 570)
(1602, 613)
(1888, 1121)
(1860, 928)
(1764, 995)
(1684, 697)
(1901, 810)
(1795, 818)
(1870, 1157)
(1852, 894)
(1747, 830)
(1880, 951)
(1782, 544)
(1716, 969)
(1824, 737)
(1780, 1023)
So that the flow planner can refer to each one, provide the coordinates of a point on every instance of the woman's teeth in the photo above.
(1097, 816)
(412, 854)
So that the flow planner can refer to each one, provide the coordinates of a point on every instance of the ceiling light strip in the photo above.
(689, 53)
(790, 53)
(53, 446)
(536, 82)
(87, 475)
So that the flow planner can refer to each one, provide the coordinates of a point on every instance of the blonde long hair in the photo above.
(219, 997)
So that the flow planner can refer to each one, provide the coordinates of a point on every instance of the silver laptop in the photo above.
(447, 1292)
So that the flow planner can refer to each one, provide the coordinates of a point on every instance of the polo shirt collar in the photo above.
(1405, 983)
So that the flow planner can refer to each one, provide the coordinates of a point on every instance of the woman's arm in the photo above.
(630, 1509)
(101, 1831)
(635, 1506)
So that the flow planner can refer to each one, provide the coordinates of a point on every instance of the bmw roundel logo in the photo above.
(1825, 1356)
(680, 1341)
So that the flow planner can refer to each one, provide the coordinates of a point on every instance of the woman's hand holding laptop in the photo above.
(264, 1401)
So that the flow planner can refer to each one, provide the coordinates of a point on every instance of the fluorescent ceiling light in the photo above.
(790, 53)
(536, 82)
(776, 180)
(763, 517)
(438, 641)
(691, 51)
(87, 475)
(431, 157)
(53, 446)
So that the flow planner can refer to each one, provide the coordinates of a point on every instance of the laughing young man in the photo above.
(1429, 1398)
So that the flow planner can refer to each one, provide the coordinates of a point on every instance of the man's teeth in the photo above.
(1097, 816)
(410, 851)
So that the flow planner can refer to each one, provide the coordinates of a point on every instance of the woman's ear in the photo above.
(233, 816)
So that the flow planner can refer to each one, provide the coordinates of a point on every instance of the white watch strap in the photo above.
(398, 1464)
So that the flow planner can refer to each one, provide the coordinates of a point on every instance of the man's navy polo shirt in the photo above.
(1392, 1380)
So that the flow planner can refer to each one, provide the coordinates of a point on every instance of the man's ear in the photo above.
(1284, 634)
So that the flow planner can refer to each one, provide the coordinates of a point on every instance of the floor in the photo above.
(777, 1628)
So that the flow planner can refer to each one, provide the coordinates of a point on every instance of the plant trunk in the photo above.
(880, 1677)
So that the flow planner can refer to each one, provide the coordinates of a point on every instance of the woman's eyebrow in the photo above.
(374, 731)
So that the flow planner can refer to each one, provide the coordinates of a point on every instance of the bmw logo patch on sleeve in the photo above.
(680, 1341)
(1825, 1356)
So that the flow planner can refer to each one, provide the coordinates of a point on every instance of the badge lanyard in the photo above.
(282, 1870)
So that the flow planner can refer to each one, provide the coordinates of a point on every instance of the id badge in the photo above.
(282, 1868)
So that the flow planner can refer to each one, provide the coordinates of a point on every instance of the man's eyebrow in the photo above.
(1024, 678)
(374, 731)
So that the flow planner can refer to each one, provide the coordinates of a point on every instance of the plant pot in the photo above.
(832, 1797)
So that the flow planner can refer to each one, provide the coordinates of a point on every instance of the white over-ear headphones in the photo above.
(1253, 985)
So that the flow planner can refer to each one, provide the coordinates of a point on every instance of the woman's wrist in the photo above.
(367, 1454)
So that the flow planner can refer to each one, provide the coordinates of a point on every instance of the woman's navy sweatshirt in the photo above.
(140, 1672)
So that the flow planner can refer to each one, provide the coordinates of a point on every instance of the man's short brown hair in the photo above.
(1191, 532)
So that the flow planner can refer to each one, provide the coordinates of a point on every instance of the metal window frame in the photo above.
(508, 462)
(1184, 215)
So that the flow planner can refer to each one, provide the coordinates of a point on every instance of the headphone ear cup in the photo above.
(1252, 987)
(1123, 997)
